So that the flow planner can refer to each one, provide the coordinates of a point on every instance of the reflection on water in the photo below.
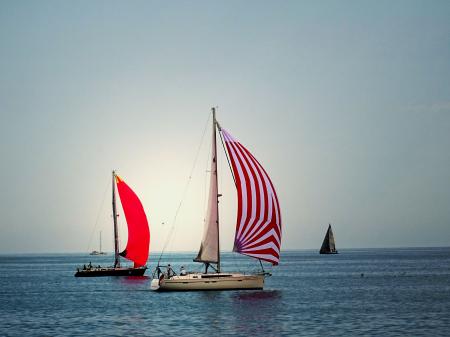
(403, 292)
(260, 295)
(133, 279)
(255, 312)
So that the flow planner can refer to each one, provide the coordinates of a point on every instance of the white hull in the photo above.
(198, 281)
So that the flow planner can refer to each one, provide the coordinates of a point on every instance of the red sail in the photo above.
(258, 225)
(138, 232)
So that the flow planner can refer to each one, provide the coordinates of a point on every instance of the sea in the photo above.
(359, 292)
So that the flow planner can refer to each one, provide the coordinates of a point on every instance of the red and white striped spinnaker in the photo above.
(258, 225)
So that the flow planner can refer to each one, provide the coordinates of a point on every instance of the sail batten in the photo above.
(258, 224)
(138, 232)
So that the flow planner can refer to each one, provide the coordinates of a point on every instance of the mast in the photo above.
(100, 241)
(116, 234)
(209, 248)
(216, 182)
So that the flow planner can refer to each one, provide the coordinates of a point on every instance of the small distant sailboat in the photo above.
(328, 244)
(138, 236)
(258, 225)
(98, 252)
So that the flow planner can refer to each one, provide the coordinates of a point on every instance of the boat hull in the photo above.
(199, 282)
(97, 253)
(96, 272)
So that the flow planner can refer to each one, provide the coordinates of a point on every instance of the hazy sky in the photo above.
(345, 103)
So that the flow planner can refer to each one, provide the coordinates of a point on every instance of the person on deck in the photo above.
(170, 271)
(183, 271)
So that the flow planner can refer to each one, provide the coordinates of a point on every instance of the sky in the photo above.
(345, 103)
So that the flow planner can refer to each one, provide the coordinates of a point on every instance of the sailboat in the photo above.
(138, 236)
(328, 245)
(258, 225)
(98, 252)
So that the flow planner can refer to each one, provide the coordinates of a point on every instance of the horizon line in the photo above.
(226, 251)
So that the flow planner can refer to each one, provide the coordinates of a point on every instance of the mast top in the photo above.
(116, 232)
(215, 122)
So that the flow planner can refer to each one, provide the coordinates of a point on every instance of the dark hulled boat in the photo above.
(328, 244)
(110, 271)
(138, 236)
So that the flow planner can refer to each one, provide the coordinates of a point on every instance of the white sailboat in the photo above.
(98, 252)
(258, 226)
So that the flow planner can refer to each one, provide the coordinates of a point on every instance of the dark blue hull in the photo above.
(95, 272)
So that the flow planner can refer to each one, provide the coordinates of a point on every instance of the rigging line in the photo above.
(185, 189)
(262, 268)
(235, 262)
(102, 204)
(226, 154)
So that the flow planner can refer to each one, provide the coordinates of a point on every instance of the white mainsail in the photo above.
(209, 248)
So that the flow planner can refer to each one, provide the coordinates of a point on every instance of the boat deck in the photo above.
(214, 281)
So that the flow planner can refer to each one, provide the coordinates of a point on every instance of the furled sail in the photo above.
(328, 244)
(209, 248)
(258, 225)
(138, 231)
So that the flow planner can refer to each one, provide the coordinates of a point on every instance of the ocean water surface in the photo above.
(365, 292)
